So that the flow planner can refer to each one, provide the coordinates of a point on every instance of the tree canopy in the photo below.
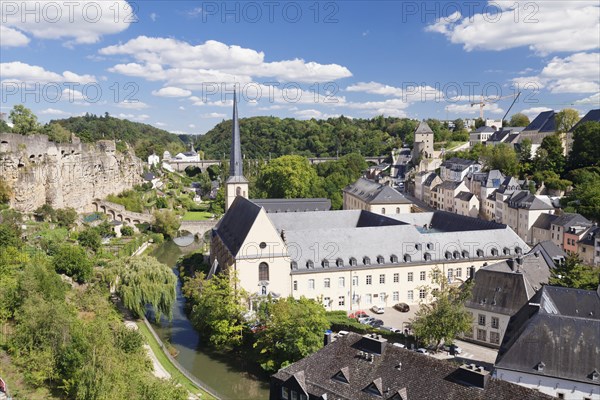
(24, 121)
(566, 119)
(574, 274)
(519, 119)
(585, 151)
(287, 177)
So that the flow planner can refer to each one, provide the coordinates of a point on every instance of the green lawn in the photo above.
(168, 366)
(197, 216)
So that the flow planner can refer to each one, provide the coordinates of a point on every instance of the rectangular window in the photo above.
(285, 394)
(450, 273)
(422, 293)
(395, 296)
(295, 285)
(326, 301)
(458, 272)
(482, 319)
(294, 395)
(355, 281)
(341, 301)
(326, 283)
(396, 277)
(382, 279)
(410, 277)
(495, 322)
(494, 337)
(311, 283)
(409, 295)
(368, 299)
(341, 281)
(422, 275)
(369, 279)
(481, 334)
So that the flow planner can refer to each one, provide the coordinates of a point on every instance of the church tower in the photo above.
(237, 184)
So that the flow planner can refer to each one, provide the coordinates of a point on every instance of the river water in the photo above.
(230, 378)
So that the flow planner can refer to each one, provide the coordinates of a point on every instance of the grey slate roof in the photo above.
(394, 371)
(549, 251)
(544, 221)
(504, 287)
(236, 223)
(590, 236)
(457, 161)
(484, 129)
(559, 327)
(544, 122)
(464, 196)
(375, 193)
(592, 115)
(567, 220)
(293, 205)
(525, 200)
(423, 128)
(451, 185)
(430, 179)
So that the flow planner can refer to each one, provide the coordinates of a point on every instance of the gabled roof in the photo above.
(523, 199)
(458, 161)
(544, 221)
(236, 223)
(567, 220)
(592, 115)
(293, 205)
(485, 129)
(590, 236)
(494, 179)
(559, 327)
(464, 196)
(394, 372)
(375, 193)
(544, 122)
(430, 179)
(423, 128)
(452, 185)
(549, 251)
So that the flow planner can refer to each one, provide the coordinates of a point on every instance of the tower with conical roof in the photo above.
(237, 184)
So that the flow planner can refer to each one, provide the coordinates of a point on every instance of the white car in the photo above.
(422, 351)
(366, 320)
(377, 310)
(398, 345)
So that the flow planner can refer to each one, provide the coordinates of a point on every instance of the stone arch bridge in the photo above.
(198, 228)
(119, 213)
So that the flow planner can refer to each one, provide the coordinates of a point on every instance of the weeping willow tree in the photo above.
(142, 281)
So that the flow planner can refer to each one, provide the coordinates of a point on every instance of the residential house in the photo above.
(480, 135)
(551, 252)
(523, 211)
(562, 225)
(506, 189)
(507, 135)
(542, 228)
(488, 207)
(587, 246)
(455, 169)
(499, 291)
(368, 367)
(375, 197)
(153, 160)
(443, 194)
(573, 235)
(431, 182)
(552, 344)
(466, 203)
(420, 178)
(542, 126)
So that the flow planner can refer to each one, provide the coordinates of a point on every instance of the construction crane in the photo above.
(511, 106)
(482, 103)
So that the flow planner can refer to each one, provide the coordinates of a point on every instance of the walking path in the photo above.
(158, 369)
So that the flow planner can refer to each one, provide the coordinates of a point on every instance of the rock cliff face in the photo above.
(64, 175)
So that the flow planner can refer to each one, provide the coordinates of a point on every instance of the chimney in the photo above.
(328, 337)
(373, 344)
(473, 375)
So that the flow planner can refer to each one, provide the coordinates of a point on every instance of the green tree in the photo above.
(566, 119)
(90, 238)
(288, 177)
(143, 281)
(74, 262)
(459, 125)
(45, 212)
(10, 229)
(573, 274)
(5, 191)
(293, 330)
(166, 222)
(585, 151)
(218, 312)
(585, 196)
(24, 121)
(66, 217)
(519, 119)
(12, 261)
(444, 317)
(57, 133)
(479, 122)
(550, 155)
(127, 230)
(501, 157)
(4, 128)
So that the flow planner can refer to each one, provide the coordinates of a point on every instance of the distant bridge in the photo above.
(198, 227)
(119, 213)
(181, 165)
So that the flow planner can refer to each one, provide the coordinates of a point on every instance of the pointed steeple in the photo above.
(235, 158)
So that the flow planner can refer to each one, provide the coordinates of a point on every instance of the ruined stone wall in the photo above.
(64, 174)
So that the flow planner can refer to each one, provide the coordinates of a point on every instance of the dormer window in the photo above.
(352, 262)
(325, 263)
(479, 253)
(494, 251)
(342, 375)
(374, 387)
(456, 254)
(394, 258)
(339, 262)
(380, 260)
(448, 255)
(595, 375)
(427, 256)
(418, 246)
(429, 246)
(310, 264)
(366, 261)
(407, 258)
(294, 265)
(518, 250)
(540, 366)
(465, 254)
(506, 251)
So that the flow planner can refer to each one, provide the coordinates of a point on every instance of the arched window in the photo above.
(294, 265)
(407, 258)
(238, 191)
(429, 246)
(427, 256)
(339, 262)
(494, 251)
(506, 251)
(448, 255)
(383, 210)
(518, 250)
(263, 271)
(465, 254)
(456, 254)
(479, 253)
(397, 210)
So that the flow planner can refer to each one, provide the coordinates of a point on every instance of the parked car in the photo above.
(402, 307)
(399, 345)
(376, 323)
(377, 310)
(366, 320)
(422, 350)
(452, 348)
(359, 314)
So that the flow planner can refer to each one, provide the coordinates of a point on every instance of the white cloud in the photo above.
(410, 93)
(544, 27)
(10, 37)
(185, 65)
(133, 117)
(467, 109)
(312, 113)
(191, 126)
(212, 115)
(182, 108)
(171, 91)
(577, 73)
(132, 104)
(160, 124)
(17, 71)
(81, 22)
(53, 111)
(153, 17)
(593, 100)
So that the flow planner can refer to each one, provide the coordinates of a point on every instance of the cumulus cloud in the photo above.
(212, 115)
(182, 64)
(53, 111)
(132, 105)
(312, 113)
(81, 22)
(467, 109)
(593, 100)
(544, 27)
(410, 92)
(133, 117)
(172, 91)
(17, 71)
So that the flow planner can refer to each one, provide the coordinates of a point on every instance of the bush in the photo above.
(74, 262)
(127, 231)
(66, 217)
(90, 238)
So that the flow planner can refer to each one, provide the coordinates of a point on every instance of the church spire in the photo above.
(235, 158)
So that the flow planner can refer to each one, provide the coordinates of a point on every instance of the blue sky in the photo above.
(174, 64)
